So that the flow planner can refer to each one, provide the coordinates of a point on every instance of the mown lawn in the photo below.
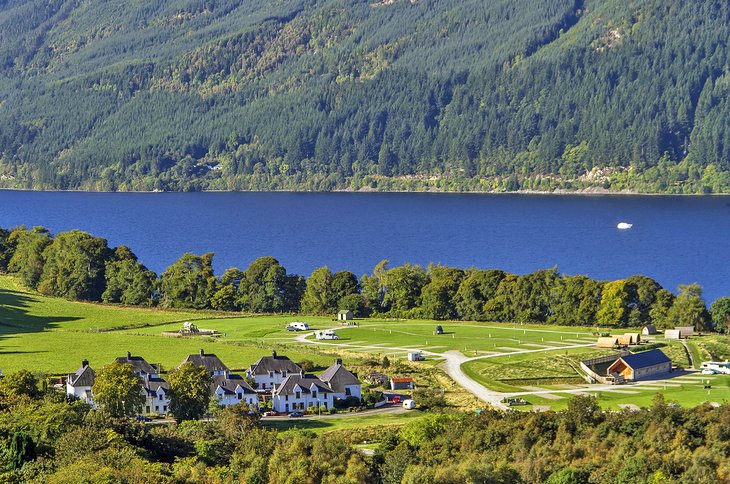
(385, 420)
(462, 336)
(688, 394)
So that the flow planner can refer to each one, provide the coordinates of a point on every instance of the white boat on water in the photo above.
(624, 226)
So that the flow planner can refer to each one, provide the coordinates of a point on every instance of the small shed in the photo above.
(345, 315)
(648, 329)
(607, 342)
(672, 334)
(401, 384)
(635, 337)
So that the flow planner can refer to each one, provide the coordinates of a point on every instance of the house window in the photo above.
(299, 395)
(271, 374)
(283, 373)
(347, 391)
(286, 398)
(157, 408)
(314, 394)
(147, 409)
(240, 396)
(164, 408)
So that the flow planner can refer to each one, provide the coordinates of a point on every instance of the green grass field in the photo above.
(461, 336)
(319, 425)
(50, 335)
(684, 391)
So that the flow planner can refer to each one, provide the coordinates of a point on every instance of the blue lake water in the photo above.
(675, 240)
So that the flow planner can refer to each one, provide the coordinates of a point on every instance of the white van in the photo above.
(297, 326)
(326, 334)
(409, 404)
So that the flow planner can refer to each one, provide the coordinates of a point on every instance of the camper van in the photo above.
(409, 404)
(715, 367)
(297, 326)
(326, 334)
(415, 356)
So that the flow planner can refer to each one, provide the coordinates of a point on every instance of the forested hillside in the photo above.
(377, 94)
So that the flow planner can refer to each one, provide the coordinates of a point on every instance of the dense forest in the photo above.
(365, 94)
(47, 439)
(78, 266)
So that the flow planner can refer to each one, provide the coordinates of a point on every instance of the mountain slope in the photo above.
(330, 94)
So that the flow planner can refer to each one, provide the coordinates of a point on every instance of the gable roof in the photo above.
(151, 385)
(229, 384)
(139, 365)
(305, 383)
(208, 361)
(402, 380)
(275, 363)
(337, 376)
(83, 377)
(645, 359)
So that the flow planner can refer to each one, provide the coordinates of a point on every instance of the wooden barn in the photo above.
(641, 365)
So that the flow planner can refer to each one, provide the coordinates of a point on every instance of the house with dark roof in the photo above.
(341, 381)
(209, 361)
(139, 365)
(227, 388)
(272, 370)
(232, 389)
(299, 392)
(79, 383)
(157, 399)
(154, 388)
(640, 366)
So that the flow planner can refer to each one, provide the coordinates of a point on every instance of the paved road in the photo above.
(452, 365)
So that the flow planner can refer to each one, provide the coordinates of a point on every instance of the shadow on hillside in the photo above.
(15, 317)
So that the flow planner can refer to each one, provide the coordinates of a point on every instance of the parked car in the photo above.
(296, 415)
(270, 413)
(142, 418)
(396, 399)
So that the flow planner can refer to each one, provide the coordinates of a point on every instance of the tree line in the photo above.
(46, 438)
(76, 265)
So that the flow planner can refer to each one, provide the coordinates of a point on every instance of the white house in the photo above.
(299, 392)
(155, 389)
(233, 389)
(272, 370)
(157, 400)
(342, 381)
(79, 383)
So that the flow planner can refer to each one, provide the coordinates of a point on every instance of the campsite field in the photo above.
(482, 338)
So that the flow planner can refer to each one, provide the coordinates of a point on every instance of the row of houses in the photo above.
(274, 377)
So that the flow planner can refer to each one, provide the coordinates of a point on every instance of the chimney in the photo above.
(338, 361)
(84, 363)
(202, 353)
(273, 353)
(129, 355)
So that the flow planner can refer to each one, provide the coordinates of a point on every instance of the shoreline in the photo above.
(584, 192)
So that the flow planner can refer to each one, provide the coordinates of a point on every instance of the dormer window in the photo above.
(283, 373)
(271, 374)
(298, 395)
(314, 394)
